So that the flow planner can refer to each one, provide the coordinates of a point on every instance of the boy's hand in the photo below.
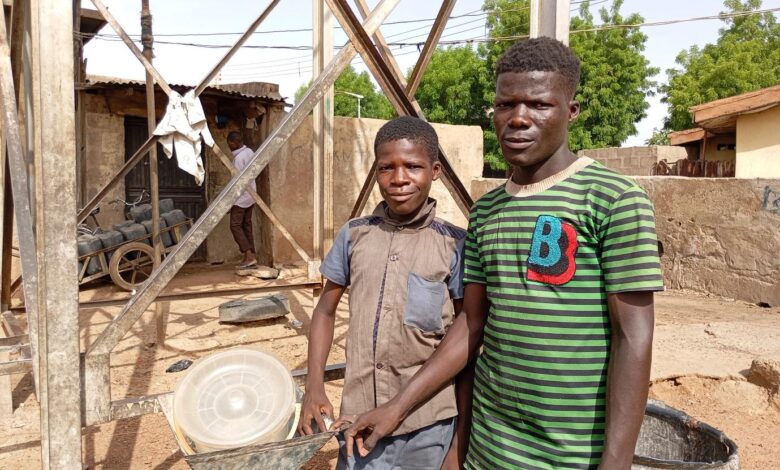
(372, 426)
(315, 404)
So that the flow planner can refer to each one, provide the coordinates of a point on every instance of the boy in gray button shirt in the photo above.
(404, 270)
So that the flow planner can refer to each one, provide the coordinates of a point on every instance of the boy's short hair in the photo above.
(235, 136)
(542, 54)
(410, 128)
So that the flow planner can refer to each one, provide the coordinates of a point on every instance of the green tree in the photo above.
(616, 77)
(745, 57)
(659, 137)
(457, 89)
(374, 104)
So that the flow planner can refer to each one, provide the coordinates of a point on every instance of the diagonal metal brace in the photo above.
(396, 91)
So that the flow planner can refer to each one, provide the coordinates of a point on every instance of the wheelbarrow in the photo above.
(285, 455)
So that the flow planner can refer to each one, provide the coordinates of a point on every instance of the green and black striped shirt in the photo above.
(549, 254)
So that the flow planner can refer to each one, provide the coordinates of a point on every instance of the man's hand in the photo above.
(315, 404)
(372, 426)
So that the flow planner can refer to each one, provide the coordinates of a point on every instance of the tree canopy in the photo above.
(374, 104)
(459, 85)
(746, 57)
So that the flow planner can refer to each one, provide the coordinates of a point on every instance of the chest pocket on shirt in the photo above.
(424, 303)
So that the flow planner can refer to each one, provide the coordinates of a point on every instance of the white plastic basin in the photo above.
(233, 399)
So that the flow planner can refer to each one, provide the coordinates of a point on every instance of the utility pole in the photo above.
(147, 39)
(551, 18)
(157, 331)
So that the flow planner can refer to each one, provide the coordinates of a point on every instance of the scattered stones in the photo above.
(247, 310)
(179, 366)
(766, 373)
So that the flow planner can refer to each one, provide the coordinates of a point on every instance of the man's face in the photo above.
(404, 173)
(532, 113)
(233, 145)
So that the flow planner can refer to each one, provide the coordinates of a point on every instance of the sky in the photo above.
(203, 22)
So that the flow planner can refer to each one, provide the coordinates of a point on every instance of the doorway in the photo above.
(174, 183)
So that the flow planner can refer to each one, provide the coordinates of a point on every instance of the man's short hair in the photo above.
(235, 136)
(542, 54)
(410, 128)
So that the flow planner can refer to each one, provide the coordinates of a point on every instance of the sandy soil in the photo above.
(696, 336)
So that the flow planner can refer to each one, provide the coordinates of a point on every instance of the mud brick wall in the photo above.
(719, 235)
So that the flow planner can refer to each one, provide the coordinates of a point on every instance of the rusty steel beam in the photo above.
(131, 45)
(394, 90)
(96, 374)
(430, 45)
(18, 176)
(247, 34)
(20, 366)
(264, 207)
(150, 142)
(381, 43)
(55, 229)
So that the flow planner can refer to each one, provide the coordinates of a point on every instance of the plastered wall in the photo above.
(290, 176)
(758, 144)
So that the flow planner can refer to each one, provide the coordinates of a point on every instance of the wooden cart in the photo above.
(129, 264)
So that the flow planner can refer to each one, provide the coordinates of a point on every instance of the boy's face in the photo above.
(532, 114)
(405, 172)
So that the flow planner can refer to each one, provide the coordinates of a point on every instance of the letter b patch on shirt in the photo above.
(553, 248)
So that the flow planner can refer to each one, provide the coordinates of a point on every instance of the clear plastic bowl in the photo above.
(234, 398)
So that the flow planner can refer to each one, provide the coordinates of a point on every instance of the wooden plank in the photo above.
(55, 195)
(96, 373)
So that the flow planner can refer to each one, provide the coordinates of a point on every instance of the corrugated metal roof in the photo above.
(261, 90)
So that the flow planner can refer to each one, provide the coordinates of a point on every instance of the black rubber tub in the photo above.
(671, 439)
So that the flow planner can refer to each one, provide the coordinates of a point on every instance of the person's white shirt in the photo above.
(241, 158)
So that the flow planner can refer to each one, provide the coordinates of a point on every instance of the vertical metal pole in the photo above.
(322, 125)
(7, 232)
(147, 39)
(551, 18)
(55, 190)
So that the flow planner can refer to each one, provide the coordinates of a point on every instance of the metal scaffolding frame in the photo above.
(43, 138)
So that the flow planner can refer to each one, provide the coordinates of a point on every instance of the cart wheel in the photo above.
(131, 265)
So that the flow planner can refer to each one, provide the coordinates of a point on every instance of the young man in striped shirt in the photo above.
(561, 265)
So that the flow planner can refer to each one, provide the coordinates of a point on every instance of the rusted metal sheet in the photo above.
(285, 455)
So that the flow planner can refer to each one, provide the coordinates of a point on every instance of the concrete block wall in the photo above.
(635, 161)
(104, 153)
(719, 235)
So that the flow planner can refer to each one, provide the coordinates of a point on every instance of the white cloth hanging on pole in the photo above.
(181, 128)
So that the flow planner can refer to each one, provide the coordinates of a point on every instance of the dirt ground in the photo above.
(703, 348)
